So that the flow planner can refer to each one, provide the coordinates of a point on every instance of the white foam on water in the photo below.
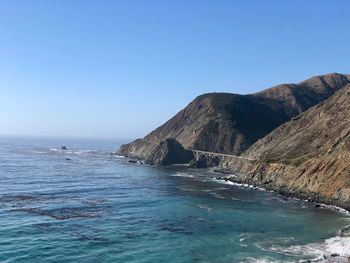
(261, 260)
(61, 151)
(217, 195)
(333, 207)
(55, 149)
(180, 174)
(36, 151)
(242, 185)
(338, 245)
(335, 249)
(77, 152)
(206, 207)
(208, 190)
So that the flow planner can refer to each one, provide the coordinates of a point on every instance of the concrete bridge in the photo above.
(219, 156)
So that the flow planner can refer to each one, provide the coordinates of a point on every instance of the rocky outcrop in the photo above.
(205, 162)
(292, 138)
(170, 151)
(231, 123)
(308, 156)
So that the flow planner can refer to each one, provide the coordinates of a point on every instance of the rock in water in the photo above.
(64, 148)
(170, 151)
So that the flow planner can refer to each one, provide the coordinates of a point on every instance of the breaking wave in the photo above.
(180, 174)
(335, 249)
(78, 152)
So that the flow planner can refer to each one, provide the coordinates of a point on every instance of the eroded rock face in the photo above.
(204, 162)
(308, 156)
(170, 151)
(231, 123)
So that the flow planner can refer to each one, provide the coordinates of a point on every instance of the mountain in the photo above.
(309, 156)
(231, 123)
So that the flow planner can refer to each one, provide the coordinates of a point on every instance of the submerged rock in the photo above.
(62, 213)
(170, 151)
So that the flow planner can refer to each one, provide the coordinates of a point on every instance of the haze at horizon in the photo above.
(120, 69)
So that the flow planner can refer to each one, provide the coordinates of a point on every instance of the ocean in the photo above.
(85, 205)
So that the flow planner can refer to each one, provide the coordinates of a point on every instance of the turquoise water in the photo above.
(83, 205)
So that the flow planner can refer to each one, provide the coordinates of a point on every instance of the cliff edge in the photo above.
(231, 123)
(309, 156)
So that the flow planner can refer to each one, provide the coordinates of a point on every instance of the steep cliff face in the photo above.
(323, 130)
(219, 122)
(231, 123)
(169, 152)
(308, 156)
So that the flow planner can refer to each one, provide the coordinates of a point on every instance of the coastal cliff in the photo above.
(308, 156)
(292, 138)
(169, 152)
(231, 123)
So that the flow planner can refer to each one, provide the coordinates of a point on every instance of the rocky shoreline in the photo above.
(308, 155)
(269, 178)
(318, 201)
(306, 198)
(258, 175)
(226, 175)
(334, 258)
(234, 176)
(303, 154)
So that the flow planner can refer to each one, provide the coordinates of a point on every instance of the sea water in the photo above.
(85, 205)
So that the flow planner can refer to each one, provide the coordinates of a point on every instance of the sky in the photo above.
(121, 68)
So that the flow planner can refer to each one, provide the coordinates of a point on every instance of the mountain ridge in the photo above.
(308, 156)
(231, 123)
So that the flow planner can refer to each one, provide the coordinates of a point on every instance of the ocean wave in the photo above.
(180, 174)
(332, 250)
(261, 260)
(333, 207)
(286, 198)
(78, 152)
(36, 151)
(205, 207)
(216, 195)
(336, 248)
(242, 185)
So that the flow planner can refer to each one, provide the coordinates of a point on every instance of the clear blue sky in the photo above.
(121, 68)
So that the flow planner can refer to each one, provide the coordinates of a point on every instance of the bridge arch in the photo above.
(217, 156)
